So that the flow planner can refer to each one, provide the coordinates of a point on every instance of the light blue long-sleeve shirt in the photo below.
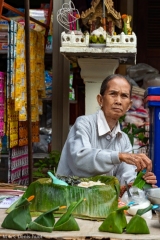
(92, 149)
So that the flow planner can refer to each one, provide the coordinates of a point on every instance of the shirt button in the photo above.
(108, 137)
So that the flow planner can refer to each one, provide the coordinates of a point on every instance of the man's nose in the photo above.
(118, 99)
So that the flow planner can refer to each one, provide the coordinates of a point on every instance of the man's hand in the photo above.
(140, 160)
(150, 178)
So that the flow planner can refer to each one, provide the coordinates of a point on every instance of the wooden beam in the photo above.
(1, 7)
(60, 87)
(5, 18)
(49, 17)
(28, 83)
(9, 7)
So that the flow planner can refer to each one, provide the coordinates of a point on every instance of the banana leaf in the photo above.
(19, 217)
(140, 183)
(44, 223)
(138, 224)
(67, 221)
(100, 200)
(115, 222)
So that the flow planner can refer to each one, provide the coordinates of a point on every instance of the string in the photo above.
(67, 16)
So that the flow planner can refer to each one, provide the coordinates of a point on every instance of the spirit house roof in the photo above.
(96, 11)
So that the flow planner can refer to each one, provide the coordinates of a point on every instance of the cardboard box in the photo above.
(3, 46)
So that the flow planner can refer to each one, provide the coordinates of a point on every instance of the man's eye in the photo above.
(124, 96)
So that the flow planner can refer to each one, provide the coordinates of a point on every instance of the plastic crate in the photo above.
(152, 91)
(152, 101)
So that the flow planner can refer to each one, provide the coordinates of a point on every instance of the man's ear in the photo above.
(130, 104)
(99, 100)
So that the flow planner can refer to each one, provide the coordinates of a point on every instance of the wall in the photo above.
(146, 24)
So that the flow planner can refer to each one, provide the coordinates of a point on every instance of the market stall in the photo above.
(21, 57)
(77, 217)
(88, 230)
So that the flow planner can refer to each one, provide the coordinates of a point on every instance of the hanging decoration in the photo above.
(68, 16)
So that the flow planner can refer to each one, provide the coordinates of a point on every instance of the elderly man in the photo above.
(96, 145)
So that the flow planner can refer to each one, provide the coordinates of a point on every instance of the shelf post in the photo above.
(27, 47)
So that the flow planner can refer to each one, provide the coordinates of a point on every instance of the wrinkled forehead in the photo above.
(118, 84)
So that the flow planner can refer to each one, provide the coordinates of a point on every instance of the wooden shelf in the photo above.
(72, 101)
(125, 55)
(40, 155)
(3, 52)
(49, 52)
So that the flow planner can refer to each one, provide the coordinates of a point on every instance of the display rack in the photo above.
(9, 7)
(27, 19)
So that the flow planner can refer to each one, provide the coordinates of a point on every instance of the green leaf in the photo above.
(145, 140)
(126, 130)
(140, 183)
(66, 216)
(141, 136)
(44, 222)
(131, 138)
(19, 217)
(133, 126)
(38, 174)
(50, 162)
(36, 164)
(122, 119)
(138, 130)
(140, 212)
(115, 222)
(137, 225)
(43, 165)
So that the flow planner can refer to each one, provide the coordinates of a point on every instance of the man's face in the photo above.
(116, 99)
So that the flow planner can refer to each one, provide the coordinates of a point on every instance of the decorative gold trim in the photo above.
(110, 9)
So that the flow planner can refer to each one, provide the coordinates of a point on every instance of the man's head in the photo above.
(115, 96)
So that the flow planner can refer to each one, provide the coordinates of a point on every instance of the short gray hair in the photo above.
(111, 77)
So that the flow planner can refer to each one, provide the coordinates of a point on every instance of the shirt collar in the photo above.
(103, 127)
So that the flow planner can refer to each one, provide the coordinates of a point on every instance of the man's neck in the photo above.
(111, 123)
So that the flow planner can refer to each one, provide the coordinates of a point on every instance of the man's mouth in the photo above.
(117, 109)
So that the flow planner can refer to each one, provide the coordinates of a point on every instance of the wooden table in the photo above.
(88, 231)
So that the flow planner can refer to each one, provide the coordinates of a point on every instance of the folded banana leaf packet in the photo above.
(67, 221)
(140, 183)
(101, 200)
(44, 223)
(115, 222)
(19, 218)
(137, 224)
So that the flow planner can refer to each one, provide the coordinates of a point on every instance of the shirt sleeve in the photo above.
(126, 172)
(83, 159)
